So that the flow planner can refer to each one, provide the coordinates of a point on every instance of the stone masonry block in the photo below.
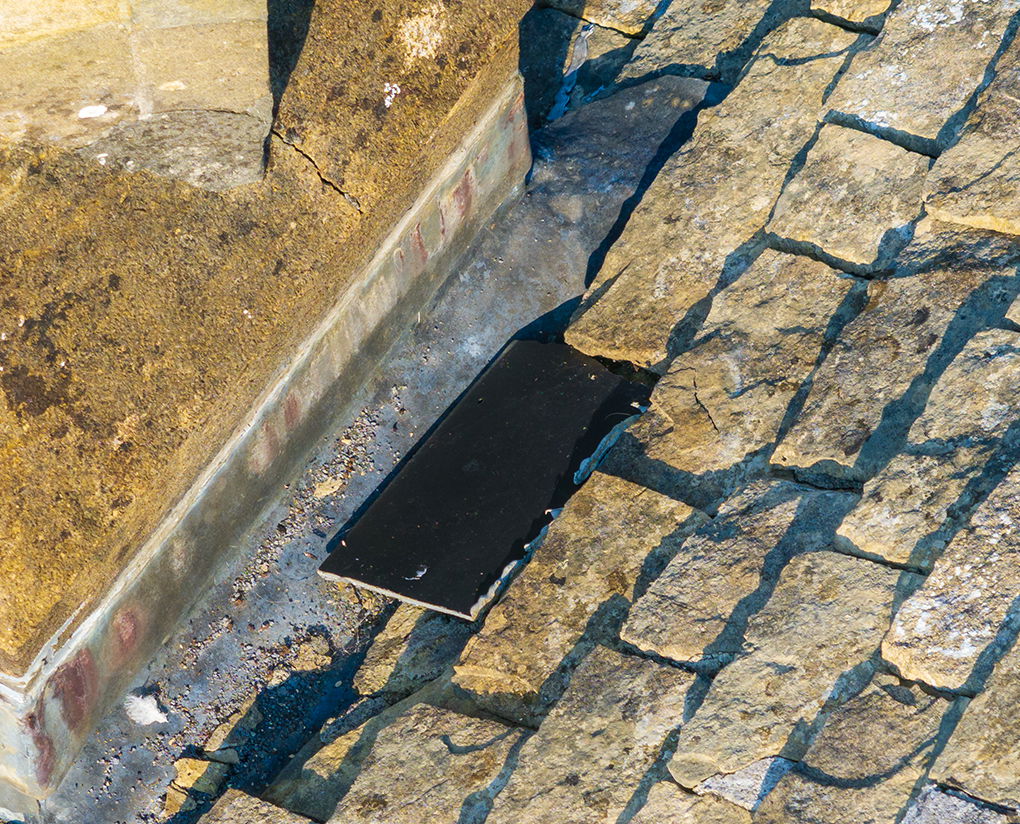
(711, 199)
(856, 199)
(813, 645)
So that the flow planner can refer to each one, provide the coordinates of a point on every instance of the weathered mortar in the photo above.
(149, 326)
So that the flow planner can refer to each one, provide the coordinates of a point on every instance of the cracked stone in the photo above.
(696, 610)
(811, 647)
(629, 17)
(699, 218)
(414, 647)
(428, 759)
(862, 12)
(888, 346)
(725, 399)
(856, 198)
(747, 787)
(974, 182)
(586, 567)
(941, 631)
(962, 425)
(936, 807)
(930, 58)
(596, 744)
(981, 757)
(236, 807)
(866, 761)
(667, 804)
(708, 40)
(199, 775)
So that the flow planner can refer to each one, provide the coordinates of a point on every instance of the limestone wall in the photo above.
(177, 86)
(163, 346)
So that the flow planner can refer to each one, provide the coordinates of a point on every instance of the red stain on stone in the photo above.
(463, 195)
(419, 244)
(127, 633)
(76, 686)
(45, 754)
(292, 411)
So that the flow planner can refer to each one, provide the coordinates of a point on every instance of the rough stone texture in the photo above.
(428, 759)
(974, 181)
(697, 609)
(905, 82)
(936, 807)
(981, 757)
(951, 442)
(399, 75)
(747, 787)
(236, 807)
(724, 401)
(414, 647)
(811, 647)
(143, 319)
(711, 198)
(668, 804)
(856, 199)
(597, 743)
(549, 41)
(708, 40)
(863, 12)
(940, 632)
(629, 16)
(589, 564)
(898, 338)
(866, 762)
(182, 90)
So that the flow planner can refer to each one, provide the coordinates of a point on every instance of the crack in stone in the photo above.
(346, 195)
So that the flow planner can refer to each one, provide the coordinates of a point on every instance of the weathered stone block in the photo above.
(596, 744)
(974, 182)
(710, 200)
(697, 609)
(169, 353)
(940, 632)
(866, 762)
(428, 759)
(668, 804)
(981, 757)
(710, 40)
(236, 807)
(922, 69)
(812, 646)
(968, 412)
(856, 199)
(724, 401)
(936, 807)
(414, 647)
(748, 786)
(589, 563)
(947, 280)
(110, 87)
(628, 16)
(865, 13)
(21, 22)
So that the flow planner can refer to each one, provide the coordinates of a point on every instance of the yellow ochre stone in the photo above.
(143, 317)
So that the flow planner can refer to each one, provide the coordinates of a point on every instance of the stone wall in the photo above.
(169, 351)
(180, 87)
